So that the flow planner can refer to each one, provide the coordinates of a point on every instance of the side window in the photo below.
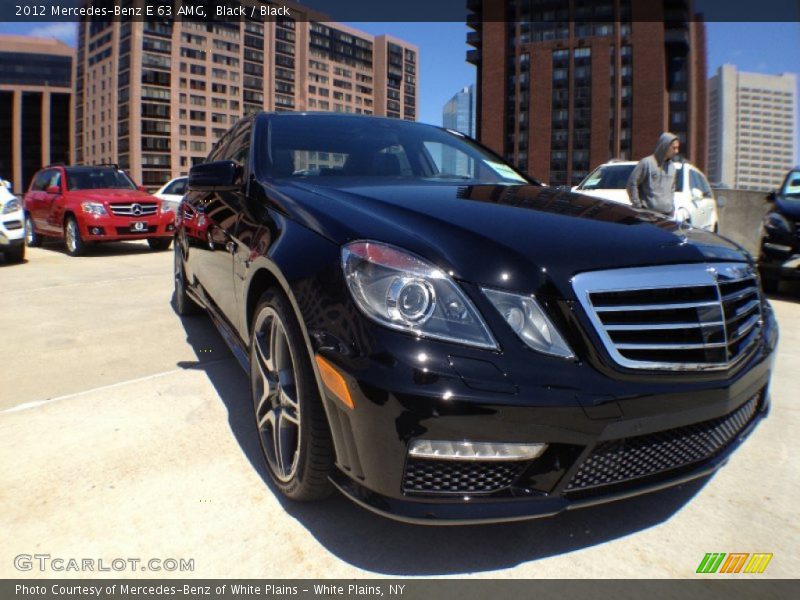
(240, 146)
(177, 188)
(54, 179)
(40, 181)
(705, 187)
(679, 175)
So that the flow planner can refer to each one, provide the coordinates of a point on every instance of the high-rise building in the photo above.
(565, 86)
(459, 115)
(155, 96)
(751, 128)
(35, 106)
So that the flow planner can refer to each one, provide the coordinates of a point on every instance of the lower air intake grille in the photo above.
(425, 476)
(632, 458)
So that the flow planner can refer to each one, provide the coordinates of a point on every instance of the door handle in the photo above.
(230, 247)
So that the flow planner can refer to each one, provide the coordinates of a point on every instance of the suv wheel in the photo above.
(72, 237)
(32, 239)
(16, 254)
(292, 427)
(159, 244)
(184, 305)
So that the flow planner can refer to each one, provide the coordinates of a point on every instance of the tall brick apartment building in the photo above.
(565, 85)
(154, 96)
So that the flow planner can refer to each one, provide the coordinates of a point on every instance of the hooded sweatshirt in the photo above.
(651, 185)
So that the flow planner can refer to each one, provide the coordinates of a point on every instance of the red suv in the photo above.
(84, 204)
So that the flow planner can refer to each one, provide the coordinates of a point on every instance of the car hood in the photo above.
(789, 206)
(516, 237)
(112, 196)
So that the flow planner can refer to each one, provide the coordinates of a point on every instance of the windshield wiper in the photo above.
(449, 176)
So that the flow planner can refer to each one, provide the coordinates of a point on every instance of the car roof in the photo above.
(627, 163)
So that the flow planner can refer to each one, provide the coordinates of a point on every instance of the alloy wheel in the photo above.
(276, 402)
(72, 236)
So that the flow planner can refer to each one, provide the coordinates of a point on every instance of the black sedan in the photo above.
(780, 241)
(445, 340)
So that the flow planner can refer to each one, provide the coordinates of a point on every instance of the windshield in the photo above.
(98, 179)
(322, 147)
(607, 177)
(791, 186)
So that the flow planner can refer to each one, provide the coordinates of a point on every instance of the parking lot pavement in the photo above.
(125, 433)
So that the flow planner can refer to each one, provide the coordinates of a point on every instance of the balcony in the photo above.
(474, 39)
(474, 57)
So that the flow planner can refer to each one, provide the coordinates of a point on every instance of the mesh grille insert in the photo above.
(424, 476)
(632, 458)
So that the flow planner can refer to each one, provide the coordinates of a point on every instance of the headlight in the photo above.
(93, 208)
(777, 222)
(524, 315)
(404, 292)
(166, 207)
(12, 205)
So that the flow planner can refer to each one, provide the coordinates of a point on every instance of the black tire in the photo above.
(73, 242)
(32, 239)
(15, 255)
(290, 418)
(159, 244)
(184, 305)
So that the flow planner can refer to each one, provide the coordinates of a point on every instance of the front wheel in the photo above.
(184, 305)
(292, 427)
(159, 244)
(32, 239)
(72, 237)
(16, 254)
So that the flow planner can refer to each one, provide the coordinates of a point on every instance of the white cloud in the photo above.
(66, 32)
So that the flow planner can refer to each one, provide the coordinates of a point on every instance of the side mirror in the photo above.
(771, 196)
(141, 188)
(697, 194)
(218, 176)
(721, 201)
(53, 189)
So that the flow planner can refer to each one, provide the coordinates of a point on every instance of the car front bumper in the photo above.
(608, 438)
(12, 229)
(107, 228)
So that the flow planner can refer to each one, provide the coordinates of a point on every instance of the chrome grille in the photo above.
(675, 317)
(134, 209)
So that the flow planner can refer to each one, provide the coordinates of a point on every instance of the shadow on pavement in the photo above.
(381, 545)
(104, 249)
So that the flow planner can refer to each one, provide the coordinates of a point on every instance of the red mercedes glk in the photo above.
(85, 204)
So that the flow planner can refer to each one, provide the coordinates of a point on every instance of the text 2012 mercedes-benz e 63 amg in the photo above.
(445, 340)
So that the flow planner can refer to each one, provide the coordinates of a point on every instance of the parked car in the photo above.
(464, 346)
(86, 204)
(695, 203)
(12, 231)
(780, 238)
(171, 193)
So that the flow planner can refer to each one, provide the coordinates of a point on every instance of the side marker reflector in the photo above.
(334, 381)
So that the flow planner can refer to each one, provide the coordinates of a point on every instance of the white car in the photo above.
(12, 226)
(694, 199)
(172, 192)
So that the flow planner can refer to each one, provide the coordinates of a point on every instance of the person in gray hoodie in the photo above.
(651, 185)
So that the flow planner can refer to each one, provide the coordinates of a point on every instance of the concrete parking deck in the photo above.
(125, 432)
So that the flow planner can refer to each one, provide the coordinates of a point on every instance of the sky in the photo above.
(770, 48)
